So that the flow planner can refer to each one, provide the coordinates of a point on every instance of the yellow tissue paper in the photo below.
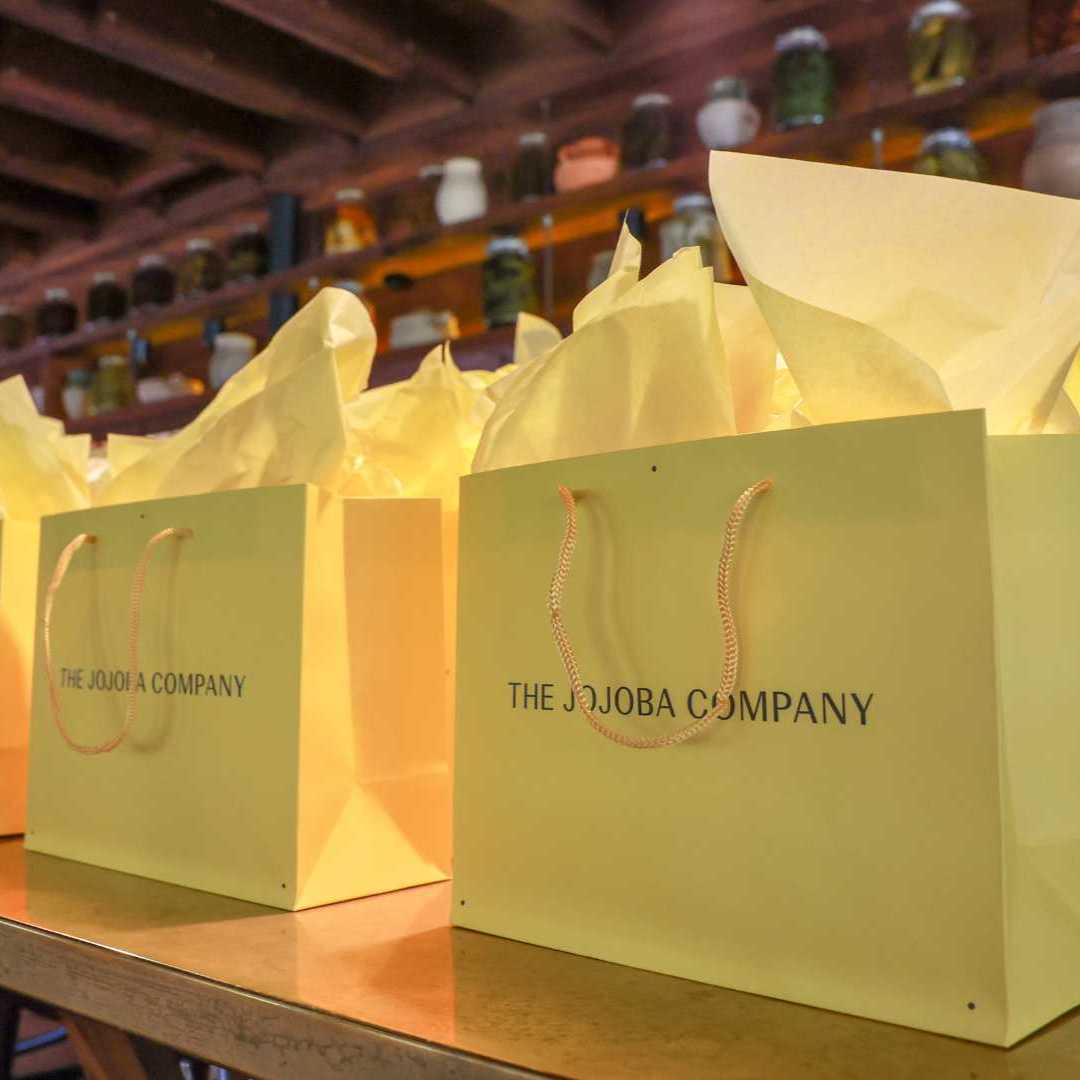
(645, 365)
(894, 293)
(415, 438)
(277, 421)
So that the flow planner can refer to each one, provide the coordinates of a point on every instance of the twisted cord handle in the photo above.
(730, 673)
(134, 619)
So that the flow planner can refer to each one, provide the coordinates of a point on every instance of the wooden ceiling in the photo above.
(121, 120)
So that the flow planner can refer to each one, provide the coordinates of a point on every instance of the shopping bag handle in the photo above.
(135, 616)
(730, 672)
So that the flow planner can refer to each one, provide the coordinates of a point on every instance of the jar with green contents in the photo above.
(114, 385)
(950, 152)
(509, 281)
(941, 46)
(804, 81)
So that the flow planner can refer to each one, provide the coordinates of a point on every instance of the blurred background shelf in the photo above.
(129, 127)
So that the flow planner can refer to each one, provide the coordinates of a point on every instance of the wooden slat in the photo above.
(358, 39)
(52, 220)
(155, 171)
(41, 152)
(48, 78)
(578, 15)
(104, 1052)
(125, 30)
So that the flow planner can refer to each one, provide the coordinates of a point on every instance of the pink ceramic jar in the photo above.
(587, 161)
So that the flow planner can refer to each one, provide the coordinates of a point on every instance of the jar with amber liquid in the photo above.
(351, 227)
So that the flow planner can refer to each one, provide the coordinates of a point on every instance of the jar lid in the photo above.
(693, 200)
(951, 138)
(730, 86)
(350, 194)
(533, 138)
(152, 260)
(462, 164)
(112, 360)
(802, 37)
(57, 294)
(355, 287)
(103, 277)
(950, 9)
(644, 101)
(504, 245)
(199, 243)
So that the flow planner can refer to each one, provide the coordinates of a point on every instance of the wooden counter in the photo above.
(384, 988)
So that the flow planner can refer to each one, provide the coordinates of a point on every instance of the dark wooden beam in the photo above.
(576, 15)
(80, 90)
(37, 219)
(358, 39)
(179, 43)
(41, 152)
(155, 172)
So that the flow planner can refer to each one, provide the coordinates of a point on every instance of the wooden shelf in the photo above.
(841, 133)
(142, 419)
(487, 350)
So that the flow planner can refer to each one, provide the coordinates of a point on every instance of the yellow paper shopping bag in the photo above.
(41, 471)
(222, 699)
(789, 711)
(240, 677)
(876, 809)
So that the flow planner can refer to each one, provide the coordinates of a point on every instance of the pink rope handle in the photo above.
(729, 675)
(135, 617)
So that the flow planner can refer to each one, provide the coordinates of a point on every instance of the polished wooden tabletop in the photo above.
(384, 987)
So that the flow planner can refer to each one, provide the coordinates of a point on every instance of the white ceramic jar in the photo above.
(1053, 166)
(231, 353)
(461, 195)
(728, 118)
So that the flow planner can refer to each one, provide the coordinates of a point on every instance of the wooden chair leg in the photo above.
(104, 1052)
(9, 1029)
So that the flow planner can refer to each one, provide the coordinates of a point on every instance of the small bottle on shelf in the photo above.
(203, 268)
(351, 227)
(106, 301)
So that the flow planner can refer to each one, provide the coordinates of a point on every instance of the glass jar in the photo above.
(106, 301)
(646, 135)
(462, 195)
(509, 281)
(154, 284)
(804, 82)
(599, 268)
(248, 256)
(231, 353)
(114, 385)
(76, 393)
(533, 167)
(694, 224)
(202, 269)
(1053, 25)
(941, 46)
(1053, 166)
(12, 328)
(728, 118)
(57, 315)
(950, 152)
(351, 226)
